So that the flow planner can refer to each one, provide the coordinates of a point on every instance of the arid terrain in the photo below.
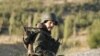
(13, 46)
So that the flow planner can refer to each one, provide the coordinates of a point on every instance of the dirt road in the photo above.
(11, 46)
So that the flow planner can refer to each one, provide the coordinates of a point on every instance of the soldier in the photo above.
(44, 43)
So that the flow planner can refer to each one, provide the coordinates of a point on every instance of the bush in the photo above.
(94, 40)
(94, 35)
(68, 28)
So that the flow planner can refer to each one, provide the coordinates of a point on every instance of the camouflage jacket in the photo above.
(44, 42)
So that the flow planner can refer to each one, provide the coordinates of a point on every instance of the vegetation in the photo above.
(71, 16)
(94, 37)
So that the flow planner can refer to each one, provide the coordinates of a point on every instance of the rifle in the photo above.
(30, 34)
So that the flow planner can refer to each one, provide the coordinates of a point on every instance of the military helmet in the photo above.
(49, 16)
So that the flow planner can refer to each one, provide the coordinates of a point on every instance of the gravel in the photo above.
(92, 52)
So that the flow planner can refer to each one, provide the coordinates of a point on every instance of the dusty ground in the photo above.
(11, 46)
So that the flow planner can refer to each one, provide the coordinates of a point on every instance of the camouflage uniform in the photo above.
(44, 43)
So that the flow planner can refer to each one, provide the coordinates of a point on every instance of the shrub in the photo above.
(94, 34)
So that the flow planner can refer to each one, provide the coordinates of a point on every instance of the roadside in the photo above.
(11, 46)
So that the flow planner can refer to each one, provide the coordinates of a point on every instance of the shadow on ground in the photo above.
(12, 49)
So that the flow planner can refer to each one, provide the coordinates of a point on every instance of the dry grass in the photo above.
(4, 39)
